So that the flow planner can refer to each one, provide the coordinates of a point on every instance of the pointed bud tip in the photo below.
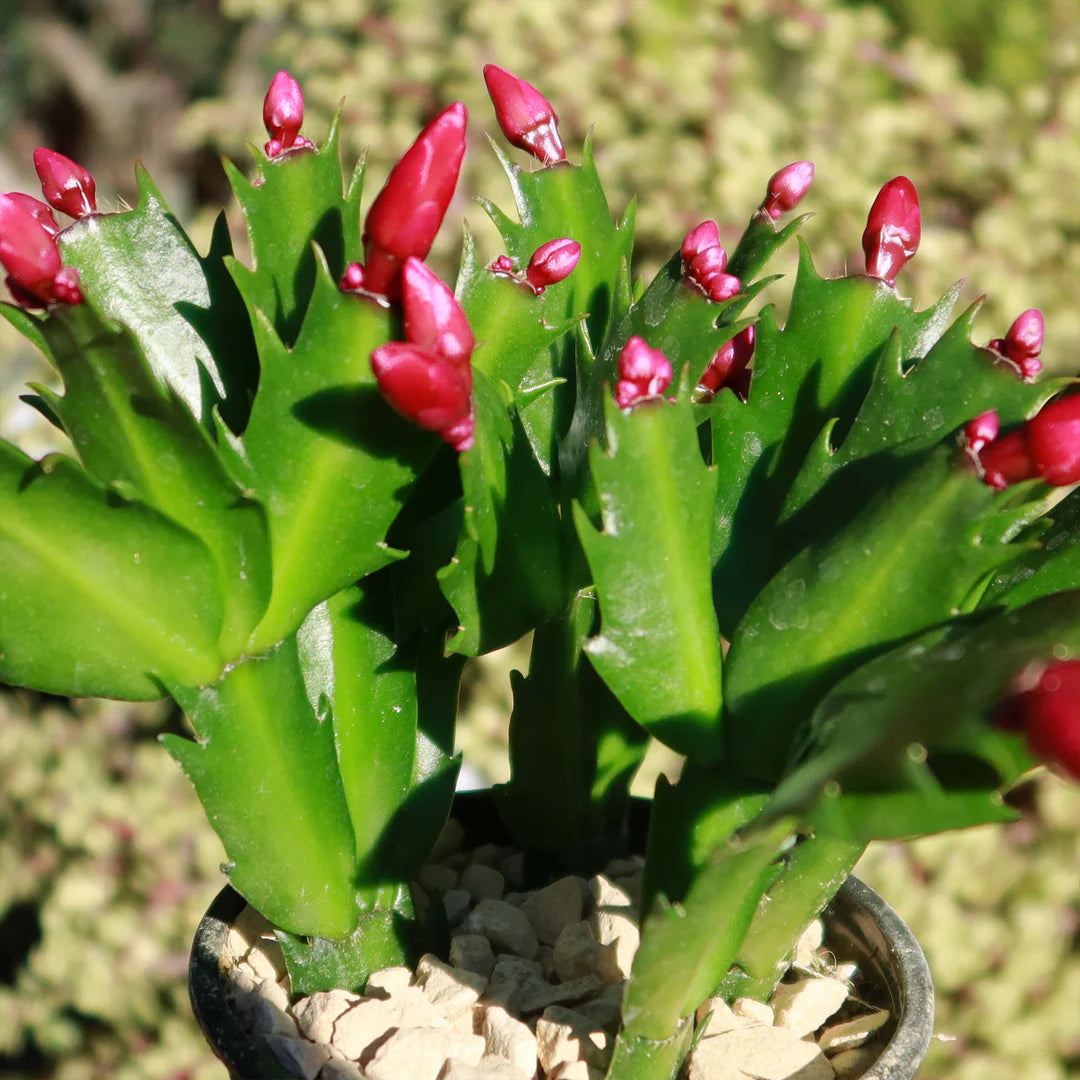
(893, 229)
(66, 185)
(552, 262)
(787, 187)
(644, 372)
(526, 117)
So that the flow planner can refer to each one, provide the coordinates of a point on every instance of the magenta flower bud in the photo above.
(1048, 713)
(66, 185)
(981, 431)
(893, 229)
(707, 264)
(1007, 461)
(28, 251)
(353, 278)
(434, 320)
(727, 365)
(408, 211)
(644, 372)
(787, 188)
(721, 287)
(426, 390)
(38, 210)
(502, 265)
(526, 117)
(699, 239)
(1053, 439)
(66, 286)
(551, 262)
(1026, 335)
(283, 111)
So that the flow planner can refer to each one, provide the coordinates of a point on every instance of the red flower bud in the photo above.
(1048, 714)
(893, 228)
(29, 254)
(1026, 335)
(408, 211)
(727, 365)
(502, 265)
(434, 319)
(721, 287)
(66, 185)
(38, 210)
(981, 431)
(1047, 446)
(425, 389)
(1053, 438)
(353, 278)
(644, 372)
(787, 188)
(699, 239)
(551, 262)
(707, 264)
(526, 117)
(283, 110)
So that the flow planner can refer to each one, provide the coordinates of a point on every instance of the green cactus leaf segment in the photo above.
(357, 679)
(1052, 566)
(384, 937)
(930, 699)
(817, 368)
(659, 645)
(296, 200)
(566, 805)
(265, 769)
(686, 949)
(140, 269)
(638, 1058)
(139, 605)
(759, 242)
(134, 432)
(328, 458)
(906, 561)
(507, 572)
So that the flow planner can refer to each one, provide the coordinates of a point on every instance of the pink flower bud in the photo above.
(502, 265)
(28, 252)
(408, 211)
(787, 188)
(1026, 335)
(66, 185)
(728, 363)
(981, 431)
(526, 117)
(644, 372)
(426, 390)
(1048, 713)
(1053, 438)
(721, 287)
(702, 238)
(893, 228)
(283, 112)
(38, 210)
(707, 264)
(1047, 446)
(66, 286)
(353, 278)
(434, 320)
(551, 262)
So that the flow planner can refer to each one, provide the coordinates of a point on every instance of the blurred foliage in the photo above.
(997, 911)
(694, 106)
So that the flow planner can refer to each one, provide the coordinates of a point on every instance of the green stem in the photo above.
(638, 1058)
(815, 870)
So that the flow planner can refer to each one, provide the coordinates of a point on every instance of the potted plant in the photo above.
(833, 560)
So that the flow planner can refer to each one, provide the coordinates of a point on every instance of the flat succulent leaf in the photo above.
(139, 268)
(295, 201)
(1051, 566)
(934, 695)
(567, 804)
(384, 937)
(909, 407)
(507, 571)
(515, 333)
(686, 949)
(99, 596)
(906, 561)
(817, 368)
(133, 431)
(659, 646)
(690, 819)
(328, 458)
(761, 239)
(263, 765)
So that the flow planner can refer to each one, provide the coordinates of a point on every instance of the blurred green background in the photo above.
(693, 105)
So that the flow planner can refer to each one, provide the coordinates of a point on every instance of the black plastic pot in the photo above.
(860, 927)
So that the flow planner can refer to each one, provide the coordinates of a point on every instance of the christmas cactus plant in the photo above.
(833, 559)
